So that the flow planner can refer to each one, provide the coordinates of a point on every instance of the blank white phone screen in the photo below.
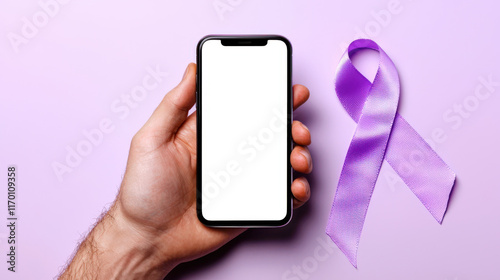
(244, 131)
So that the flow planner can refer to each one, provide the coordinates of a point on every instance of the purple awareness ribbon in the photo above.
(381, 133)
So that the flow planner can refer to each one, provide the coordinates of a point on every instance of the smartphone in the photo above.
(244, 113)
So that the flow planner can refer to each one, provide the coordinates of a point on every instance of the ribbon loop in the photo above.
(381, 133)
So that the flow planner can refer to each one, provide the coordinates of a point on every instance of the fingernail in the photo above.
(307, 155)
(305, 127)
(306, 185)
(185, 72)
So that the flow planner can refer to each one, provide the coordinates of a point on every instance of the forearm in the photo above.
(114, 250)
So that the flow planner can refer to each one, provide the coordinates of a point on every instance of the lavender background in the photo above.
(66, 78)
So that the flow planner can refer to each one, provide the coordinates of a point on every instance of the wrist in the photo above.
(126, 251)
(116, 249)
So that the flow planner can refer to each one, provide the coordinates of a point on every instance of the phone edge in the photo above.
(250, 223)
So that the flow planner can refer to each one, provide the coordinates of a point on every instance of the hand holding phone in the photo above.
(154, 217)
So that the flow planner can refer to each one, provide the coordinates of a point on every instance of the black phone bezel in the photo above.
(243, 40)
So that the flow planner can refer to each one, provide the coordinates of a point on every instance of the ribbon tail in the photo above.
(420, 167)
(348, 211)
(351, 255)
(359, 175)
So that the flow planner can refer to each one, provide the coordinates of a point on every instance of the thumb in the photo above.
(173, 109)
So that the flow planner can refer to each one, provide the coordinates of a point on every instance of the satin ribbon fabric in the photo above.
(381, 133)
